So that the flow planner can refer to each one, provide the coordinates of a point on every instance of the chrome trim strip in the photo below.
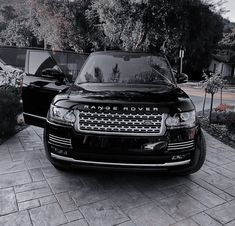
(181, 146)
(58, 142)
(35, 116)
(59, 138)
(120, 164)
(186, 142)
(59, 145)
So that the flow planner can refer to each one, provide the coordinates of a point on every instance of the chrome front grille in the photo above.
(60, 141)
(181, 146)
(128, 123)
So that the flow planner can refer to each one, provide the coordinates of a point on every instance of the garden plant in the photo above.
(10, 100)
(212, 85)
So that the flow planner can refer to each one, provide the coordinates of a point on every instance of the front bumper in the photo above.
(115, 164)
(174, 150)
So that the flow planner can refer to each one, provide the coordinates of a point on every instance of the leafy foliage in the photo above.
(224, 118)
(213, 84)
(145, 25)
(10, 104)
(230, 121)
(12, 78)
(10, 108)
(156, 25)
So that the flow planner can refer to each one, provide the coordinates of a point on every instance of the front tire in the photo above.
(200, 153)
(198, 157)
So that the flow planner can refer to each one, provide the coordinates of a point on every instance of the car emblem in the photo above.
(148, 122)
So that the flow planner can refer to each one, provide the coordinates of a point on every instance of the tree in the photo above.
(151, 25)
(212, 85)
(145, 25)
(201, 30)
(228, 40)
(8, 13)
(132, 25)
(14, 27)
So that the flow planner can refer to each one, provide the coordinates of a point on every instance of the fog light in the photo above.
(59, 151)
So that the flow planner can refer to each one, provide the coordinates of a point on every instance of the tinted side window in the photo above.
(38, 61)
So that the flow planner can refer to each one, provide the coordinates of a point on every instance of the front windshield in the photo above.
(126, 69)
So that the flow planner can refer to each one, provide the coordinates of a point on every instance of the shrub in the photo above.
(230, 121)
(10, 107)
(11, 77)
(224, 118)
(218, 117)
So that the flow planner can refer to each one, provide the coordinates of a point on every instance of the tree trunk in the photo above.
(45, 44)
(204, 103)
(221, 96)
(212, 100)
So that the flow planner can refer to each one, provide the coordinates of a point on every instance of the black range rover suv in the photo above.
(124, 110)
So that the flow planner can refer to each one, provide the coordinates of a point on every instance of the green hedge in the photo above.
(10, 107)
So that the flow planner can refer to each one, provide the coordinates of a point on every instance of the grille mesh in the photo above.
(143, 123)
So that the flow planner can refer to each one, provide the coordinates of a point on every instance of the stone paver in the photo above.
(103, 213)
(33, 192)
(16, 219)
(48, 215)
(7, 201)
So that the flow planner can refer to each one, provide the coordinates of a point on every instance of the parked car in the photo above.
(124, 111)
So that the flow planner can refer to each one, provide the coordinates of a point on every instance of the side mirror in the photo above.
(52, 73)
(181, 78)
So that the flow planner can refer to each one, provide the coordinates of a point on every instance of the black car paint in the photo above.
(168, 99)
(38, 91)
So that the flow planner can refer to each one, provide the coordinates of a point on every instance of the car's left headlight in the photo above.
(181, 120)
(61, 115)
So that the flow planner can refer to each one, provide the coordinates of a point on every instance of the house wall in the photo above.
(220, 67)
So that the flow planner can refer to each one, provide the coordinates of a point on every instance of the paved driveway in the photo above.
(32, 192)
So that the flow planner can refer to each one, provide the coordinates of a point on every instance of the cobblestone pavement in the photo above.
(33, 192)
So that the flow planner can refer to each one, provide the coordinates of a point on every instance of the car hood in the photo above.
(165, 97)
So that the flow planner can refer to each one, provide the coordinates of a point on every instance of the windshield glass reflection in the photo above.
(126, 69)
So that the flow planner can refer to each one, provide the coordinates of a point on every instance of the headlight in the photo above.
(181, 120)
(61, 115)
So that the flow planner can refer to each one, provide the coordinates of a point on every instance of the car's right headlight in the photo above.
(61, 115)
(181, 120)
